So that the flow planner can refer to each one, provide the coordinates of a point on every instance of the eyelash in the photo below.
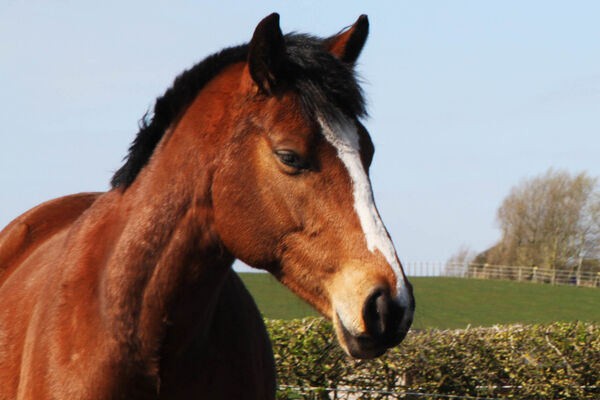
(292, 159)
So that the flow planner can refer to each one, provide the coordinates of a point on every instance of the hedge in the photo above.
(560, 360)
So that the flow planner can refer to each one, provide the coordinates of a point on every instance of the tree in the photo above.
(550, 221)
(460, 262)
(464, 255)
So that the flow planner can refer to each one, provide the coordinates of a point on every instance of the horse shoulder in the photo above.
(34, 230)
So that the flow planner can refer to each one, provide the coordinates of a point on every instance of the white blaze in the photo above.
(343, 135)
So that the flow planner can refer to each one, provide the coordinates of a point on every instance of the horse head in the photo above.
(291, 192)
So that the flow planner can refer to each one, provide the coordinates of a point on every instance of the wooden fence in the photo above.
(513, 273)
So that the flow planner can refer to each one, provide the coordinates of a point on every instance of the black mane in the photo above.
(325, 85)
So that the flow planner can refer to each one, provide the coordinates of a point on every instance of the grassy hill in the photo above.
(273, 299)
(447, 303)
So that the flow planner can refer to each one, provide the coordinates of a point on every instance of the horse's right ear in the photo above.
(266, 54)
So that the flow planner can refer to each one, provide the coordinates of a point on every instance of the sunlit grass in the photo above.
(448, 303)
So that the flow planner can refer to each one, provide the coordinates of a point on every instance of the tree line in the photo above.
(550, 221)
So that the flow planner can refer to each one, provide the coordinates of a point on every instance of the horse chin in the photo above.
(358, 346)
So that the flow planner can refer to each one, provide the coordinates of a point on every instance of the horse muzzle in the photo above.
(385, 321)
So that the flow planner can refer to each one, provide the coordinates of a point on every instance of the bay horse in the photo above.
(256, 153)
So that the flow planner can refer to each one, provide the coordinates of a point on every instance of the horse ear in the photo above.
(266, 54)
(348, 44)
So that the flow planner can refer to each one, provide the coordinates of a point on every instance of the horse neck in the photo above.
(166, 267)
(168, 259)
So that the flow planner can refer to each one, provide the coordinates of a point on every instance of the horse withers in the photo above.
(255, 153)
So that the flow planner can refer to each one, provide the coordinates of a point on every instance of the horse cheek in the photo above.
(236, 207)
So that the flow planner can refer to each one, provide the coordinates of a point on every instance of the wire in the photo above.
(383, 392)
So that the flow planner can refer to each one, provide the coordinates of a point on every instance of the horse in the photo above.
(256, 153)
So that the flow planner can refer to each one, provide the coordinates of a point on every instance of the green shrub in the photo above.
(560, 360)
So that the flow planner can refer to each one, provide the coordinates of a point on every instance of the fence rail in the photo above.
(513, 273)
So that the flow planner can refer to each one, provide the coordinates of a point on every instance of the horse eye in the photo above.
(292, 159)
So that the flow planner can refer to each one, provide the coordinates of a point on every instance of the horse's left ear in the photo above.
(266, 54)
(348, 44)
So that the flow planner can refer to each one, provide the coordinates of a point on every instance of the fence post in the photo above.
(553, 276)
(520, 274)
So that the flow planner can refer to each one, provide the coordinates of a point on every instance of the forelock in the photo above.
(325, 84)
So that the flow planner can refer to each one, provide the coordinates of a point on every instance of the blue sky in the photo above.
(466, 98)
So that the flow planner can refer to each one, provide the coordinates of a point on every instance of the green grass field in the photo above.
(448, 303)
(273, 299)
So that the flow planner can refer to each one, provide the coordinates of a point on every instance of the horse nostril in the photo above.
(381, 314)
